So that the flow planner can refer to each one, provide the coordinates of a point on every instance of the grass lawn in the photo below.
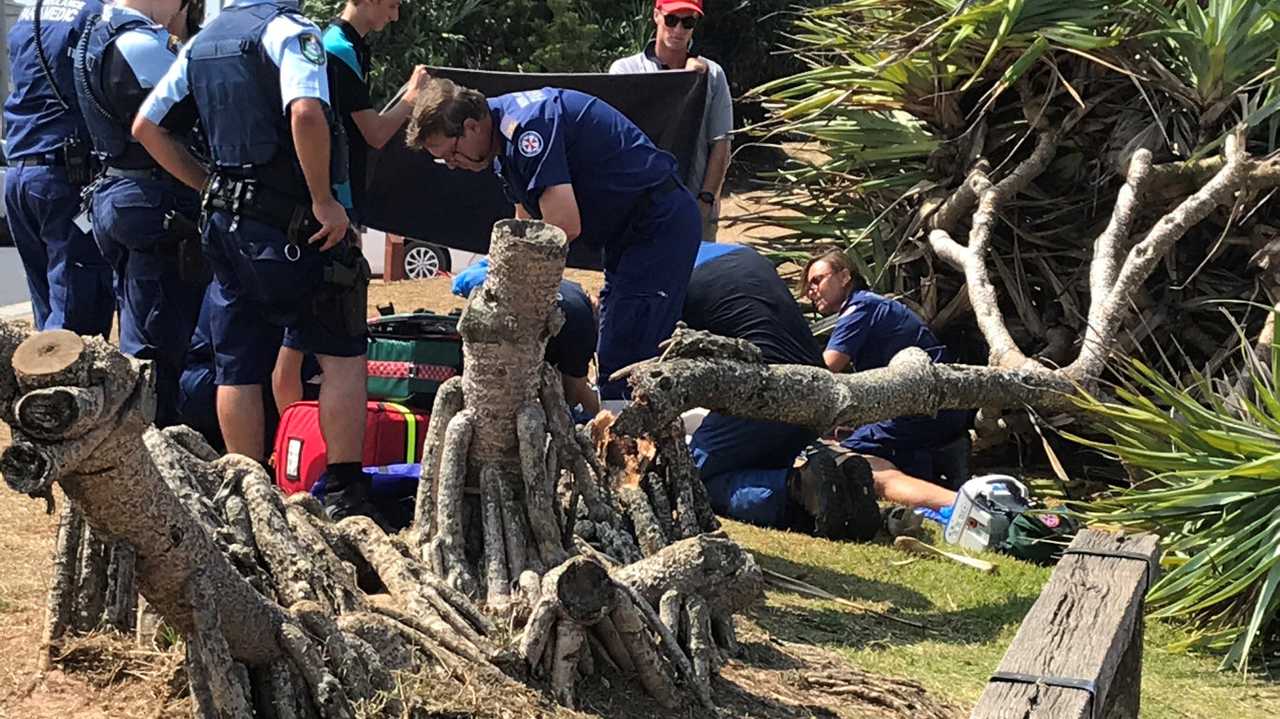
(974, 617)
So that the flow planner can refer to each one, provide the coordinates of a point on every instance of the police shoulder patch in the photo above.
(530, 144)
(312, 48)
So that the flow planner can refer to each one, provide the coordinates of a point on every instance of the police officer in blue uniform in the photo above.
(275, 236)
(138, 208)
(571, 160)
(870, 330)
(748, 466)
(48, 157)
(198, 388)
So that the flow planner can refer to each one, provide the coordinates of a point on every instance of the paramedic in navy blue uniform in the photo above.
(573, 161)
(869, 332)
(748, 466)
(70, 283)
(264, 109)
(122, 58)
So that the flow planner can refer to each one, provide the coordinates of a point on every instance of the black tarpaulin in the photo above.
(411, 195)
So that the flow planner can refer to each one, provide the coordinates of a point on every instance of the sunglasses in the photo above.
(688, 21)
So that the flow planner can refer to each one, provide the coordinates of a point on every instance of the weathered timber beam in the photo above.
(1084, 630)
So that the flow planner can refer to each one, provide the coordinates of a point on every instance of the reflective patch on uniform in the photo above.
(508, 128)
(528, 97)
(312, 48)
(52, 11)
(530, 144)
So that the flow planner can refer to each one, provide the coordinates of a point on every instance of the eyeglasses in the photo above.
(447, 157)
(813, 283)
(688, 21)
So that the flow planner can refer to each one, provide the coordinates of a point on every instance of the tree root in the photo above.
(448, 403)
(61, 597)
(225, 681)
(445, 552)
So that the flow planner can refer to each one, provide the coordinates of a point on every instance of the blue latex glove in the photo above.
(469, 279)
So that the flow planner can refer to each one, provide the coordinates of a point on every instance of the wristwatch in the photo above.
(707, 196)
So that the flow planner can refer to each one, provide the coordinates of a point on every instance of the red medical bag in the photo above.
(393, 434)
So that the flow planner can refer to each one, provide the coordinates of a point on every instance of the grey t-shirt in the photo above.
(717, 118)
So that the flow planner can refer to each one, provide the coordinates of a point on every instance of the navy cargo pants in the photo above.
(158, 309)
(645, 285)
(70, 283)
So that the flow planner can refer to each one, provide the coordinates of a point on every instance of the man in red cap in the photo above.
(671, 49)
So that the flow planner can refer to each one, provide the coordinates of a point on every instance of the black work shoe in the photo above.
(352, 500)
(861, 488)
(818, 486)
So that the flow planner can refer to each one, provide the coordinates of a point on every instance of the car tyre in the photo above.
(423, 260)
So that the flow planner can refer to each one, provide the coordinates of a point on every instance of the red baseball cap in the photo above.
(669, 6)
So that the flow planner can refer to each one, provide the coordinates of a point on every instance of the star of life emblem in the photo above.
(530, 144)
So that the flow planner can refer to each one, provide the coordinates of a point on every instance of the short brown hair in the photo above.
(442, 107)
(839, 260)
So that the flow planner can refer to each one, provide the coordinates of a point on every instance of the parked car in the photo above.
(422, 259)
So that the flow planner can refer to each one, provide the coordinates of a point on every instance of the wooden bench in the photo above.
(1078, 653)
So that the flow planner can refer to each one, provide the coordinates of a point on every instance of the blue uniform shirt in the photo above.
(553, 137)
(872, 329)
(292, 43)
(36, 123)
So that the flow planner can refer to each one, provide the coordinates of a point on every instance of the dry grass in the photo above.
(773, 679)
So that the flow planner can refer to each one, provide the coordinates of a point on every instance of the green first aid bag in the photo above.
(1039, 536)
(411, 355)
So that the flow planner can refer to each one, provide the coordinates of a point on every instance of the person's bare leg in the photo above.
(342, 407)
(241, 419)
(894, 485)
(286, 378)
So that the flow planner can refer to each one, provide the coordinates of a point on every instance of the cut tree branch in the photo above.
(814, 397)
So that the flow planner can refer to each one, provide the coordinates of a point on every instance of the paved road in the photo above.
(13, 281)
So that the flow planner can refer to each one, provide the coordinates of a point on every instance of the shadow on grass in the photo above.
(849, 628)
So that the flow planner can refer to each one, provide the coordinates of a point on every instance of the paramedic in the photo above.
(869, 332)
(48, 157)
(573, 161)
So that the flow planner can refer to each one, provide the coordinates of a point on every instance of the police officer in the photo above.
(48, 157)
(571, 160)
(870, 330)
(275, 235)
(118, 62)
(198, 387)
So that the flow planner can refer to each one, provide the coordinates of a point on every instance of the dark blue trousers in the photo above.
(643, 294)
(744, 464)
(69, 281)
(158, 309)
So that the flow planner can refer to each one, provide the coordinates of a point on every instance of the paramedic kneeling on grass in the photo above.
(870, 331)
(571, 160)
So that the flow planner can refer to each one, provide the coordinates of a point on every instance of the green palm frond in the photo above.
(1208, 481)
